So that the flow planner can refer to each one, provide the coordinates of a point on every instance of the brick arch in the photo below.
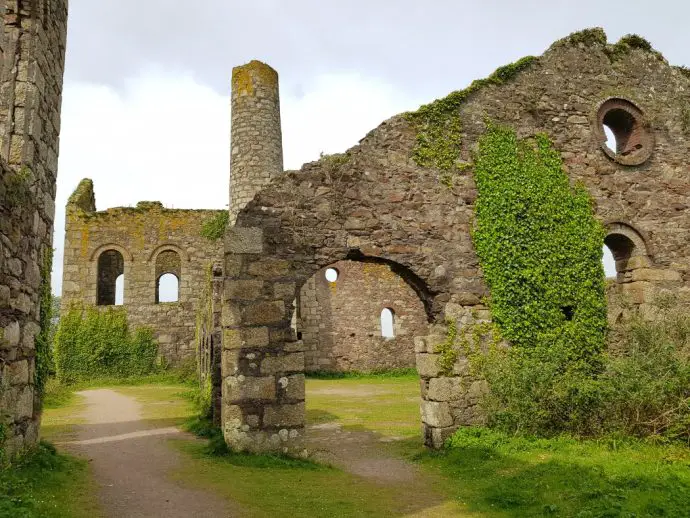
(628, 246)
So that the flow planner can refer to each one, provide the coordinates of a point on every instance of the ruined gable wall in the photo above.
(31, 70)
(378, 202)
(340, 321)
(141, 234)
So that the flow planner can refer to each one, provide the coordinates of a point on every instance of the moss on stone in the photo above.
(628, 43)
(18, 187)
(214, 228)
(242, 82)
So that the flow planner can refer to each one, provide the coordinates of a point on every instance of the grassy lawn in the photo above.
(482, 474)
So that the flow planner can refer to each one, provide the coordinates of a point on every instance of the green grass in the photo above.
(385, 405)
(265, 486)
(46, 484)
(511, 476)
(484, 473)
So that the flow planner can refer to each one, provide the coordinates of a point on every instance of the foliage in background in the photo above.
(94, 343)
(214, 228)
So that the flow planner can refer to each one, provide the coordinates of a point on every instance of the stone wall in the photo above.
(32, 39)
(340, 322)
(377, 202)
(152, 241)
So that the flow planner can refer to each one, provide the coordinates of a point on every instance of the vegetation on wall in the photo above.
(94, 343)
(18, 187)
(539, 247)
(439, 127)
(215, 228)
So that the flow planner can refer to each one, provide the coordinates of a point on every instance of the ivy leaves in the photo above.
(539, 247)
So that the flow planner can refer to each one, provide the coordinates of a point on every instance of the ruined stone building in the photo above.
(377, 206)
(32, 50)
(360, 260)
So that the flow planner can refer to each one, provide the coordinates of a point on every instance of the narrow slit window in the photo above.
(387, 323)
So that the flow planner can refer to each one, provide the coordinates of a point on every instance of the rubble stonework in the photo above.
(151, 241)
(32, 39)
(376, 203)
(340, 322)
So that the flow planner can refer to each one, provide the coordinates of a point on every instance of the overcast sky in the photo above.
(146, 96)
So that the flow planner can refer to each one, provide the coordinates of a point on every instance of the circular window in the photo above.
(331, 275)
(623, 132)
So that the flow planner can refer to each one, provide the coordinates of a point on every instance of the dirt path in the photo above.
(131, 462)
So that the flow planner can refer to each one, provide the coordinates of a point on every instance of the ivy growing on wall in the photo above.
(439, 127)
(92, 343)
(215, 228)
(540, 248)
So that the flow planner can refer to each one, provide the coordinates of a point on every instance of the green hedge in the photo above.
(92, 342)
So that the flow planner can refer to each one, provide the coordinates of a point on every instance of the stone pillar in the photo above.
(256, 140)
(33, 55)
(262, 362)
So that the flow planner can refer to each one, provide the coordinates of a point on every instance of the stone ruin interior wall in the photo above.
(145, 242)
(33, 34)
(376, 202)
(340, 322)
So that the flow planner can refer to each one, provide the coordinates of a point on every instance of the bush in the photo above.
(646, 384)
(92, 343)
(642, 389)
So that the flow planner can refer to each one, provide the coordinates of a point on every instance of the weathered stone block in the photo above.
(284, 290)
(265, 313)
(654, 274)
(246, 388)
(244, 240)
(444, 389)
(242, 290)
(230, 363)
(284, 415)
(18, 372)
(427, 365)
(269, 268)
(288, 363)
(293, 386)
(436, 414)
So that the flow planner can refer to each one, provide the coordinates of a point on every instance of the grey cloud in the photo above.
(424, 48)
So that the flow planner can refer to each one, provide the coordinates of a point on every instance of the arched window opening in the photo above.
(387, 323)
(168, 276)
(111, 267)
(609, 263)
(120, 290)
(331, 274)
(622, 249)
(168, 288)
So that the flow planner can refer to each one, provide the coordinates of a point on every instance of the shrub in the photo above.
(646, 384)
(92, 343)
(642, 390)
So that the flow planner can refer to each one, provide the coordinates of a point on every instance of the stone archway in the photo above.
(263, 361)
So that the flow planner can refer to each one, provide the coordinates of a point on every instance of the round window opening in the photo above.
(623, 132)
(331, 275)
